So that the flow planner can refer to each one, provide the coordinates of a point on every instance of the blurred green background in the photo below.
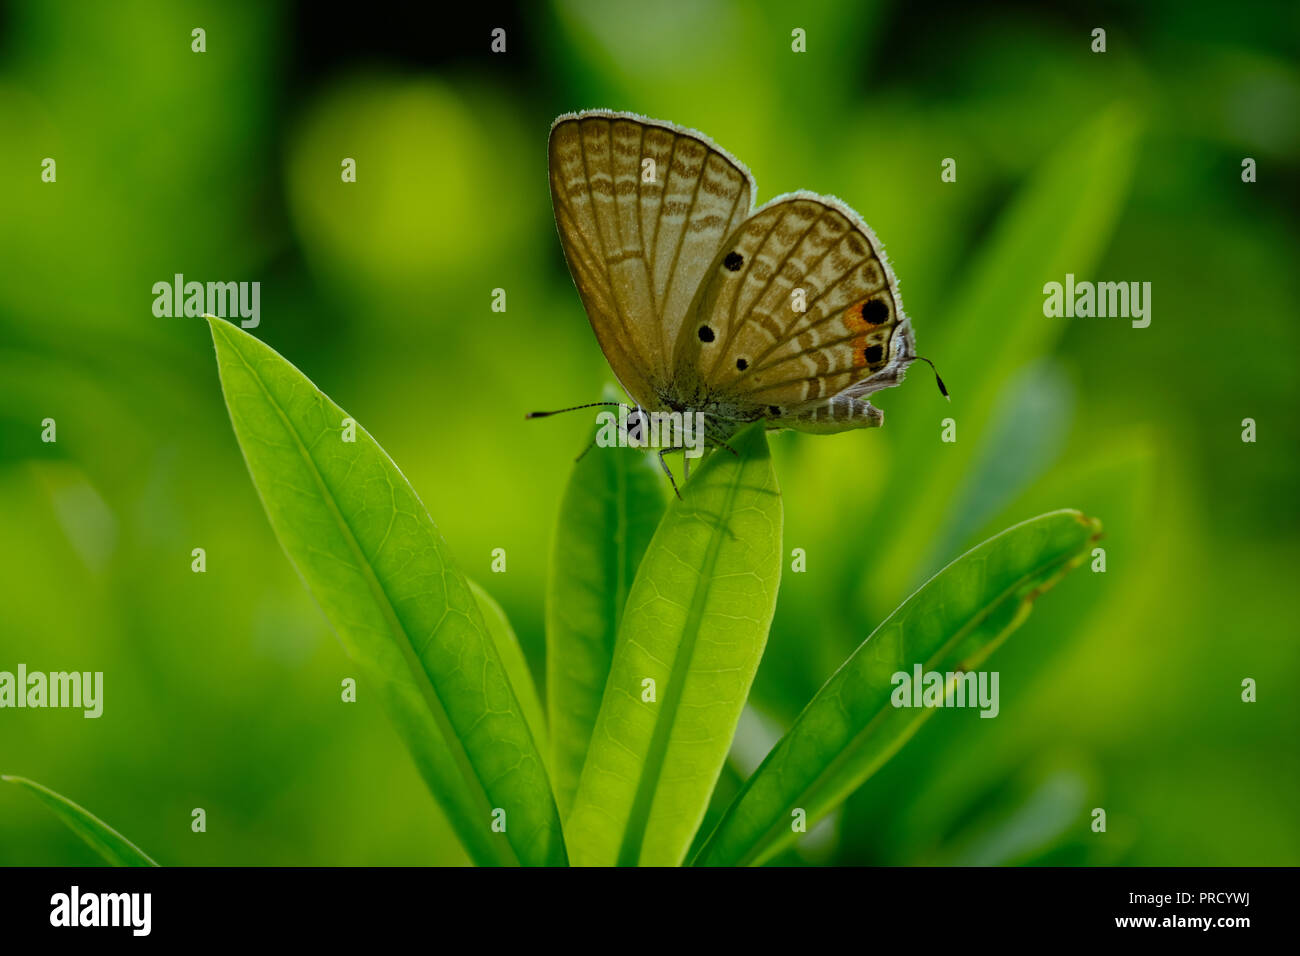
(222, 690)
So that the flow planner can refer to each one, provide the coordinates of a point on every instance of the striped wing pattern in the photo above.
(800, 317)
(642, 209)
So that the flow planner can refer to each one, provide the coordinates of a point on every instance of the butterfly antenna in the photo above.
(943, 389)
(572, 408)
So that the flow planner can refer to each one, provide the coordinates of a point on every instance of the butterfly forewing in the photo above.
(642, 209)
(797, 306)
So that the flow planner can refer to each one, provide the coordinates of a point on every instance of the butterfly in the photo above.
(788, 313)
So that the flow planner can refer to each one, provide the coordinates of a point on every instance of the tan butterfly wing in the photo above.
(798, 320)
(642, 208)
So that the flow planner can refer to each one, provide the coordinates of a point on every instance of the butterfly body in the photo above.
(788, 313)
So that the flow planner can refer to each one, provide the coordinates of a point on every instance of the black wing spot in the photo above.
(873, 354)
(742, 364)
(875, 311)
(734, 261)
(706, 334)
(774, 410)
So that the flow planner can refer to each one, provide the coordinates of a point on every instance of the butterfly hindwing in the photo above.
(798, 308)
(642, 208)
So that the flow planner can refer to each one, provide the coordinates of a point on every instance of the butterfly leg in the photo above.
(585, 450)
(668, 471)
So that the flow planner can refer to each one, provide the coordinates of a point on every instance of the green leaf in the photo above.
(696, 623)
(99, 836)
(1060, 221)
(611, 507)
(1020, 820)
(850, 728)
(514, 661)
(377, 566)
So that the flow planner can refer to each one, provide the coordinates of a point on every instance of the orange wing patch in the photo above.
(865, 317)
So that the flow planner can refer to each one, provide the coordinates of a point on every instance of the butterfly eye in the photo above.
(875, 311)
(774, 410)
(635, 421)
(734, 261)
(706, 334)
(742, 364)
